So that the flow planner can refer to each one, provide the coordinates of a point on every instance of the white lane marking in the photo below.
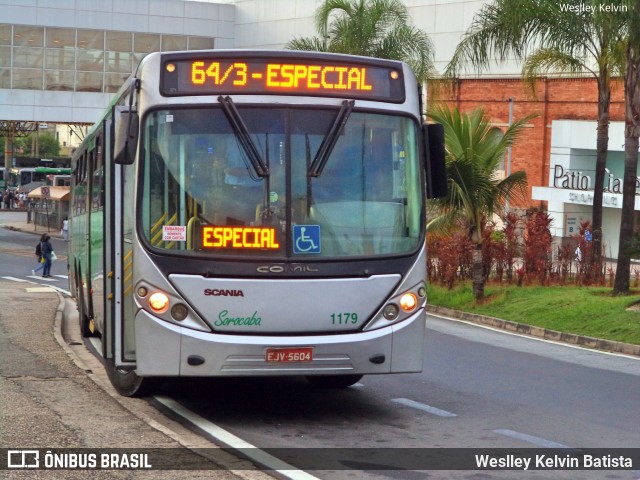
(66, 277)
(21, 280)
(61, 290)
(541, 442)
(228, 438)
(424, 407)
(42, 279)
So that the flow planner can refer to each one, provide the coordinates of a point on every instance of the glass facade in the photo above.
(77, 59)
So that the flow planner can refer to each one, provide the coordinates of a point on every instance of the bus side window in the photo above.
(97, 193)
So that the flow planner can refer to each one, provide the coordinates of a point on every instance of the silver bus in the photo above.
(255, 213)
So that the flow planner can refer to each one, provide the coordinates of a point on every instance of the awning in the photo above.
(55, 193)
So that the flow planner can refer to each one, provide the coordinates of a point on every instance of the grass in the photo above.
(590, 311)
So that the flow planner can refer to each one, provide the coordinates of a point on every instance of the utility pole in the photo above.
(509, 147)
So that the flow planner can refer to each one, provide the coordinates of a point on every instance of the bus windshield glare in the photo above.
(202, 195)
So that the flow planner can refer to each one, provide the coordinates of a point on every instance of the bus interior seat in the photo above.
(232, 205)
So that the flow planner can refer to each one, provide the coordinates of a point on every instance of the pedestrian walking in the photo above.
(39, 255)
(47, 252)
(65, 229)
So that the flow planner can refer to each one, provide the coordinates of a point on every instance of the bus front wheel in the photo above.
(333, 381)
(127, 383)
(83, 311)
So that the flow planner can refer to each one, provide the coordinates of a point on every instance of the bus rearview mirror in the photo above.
(433, 136)
(126, 136)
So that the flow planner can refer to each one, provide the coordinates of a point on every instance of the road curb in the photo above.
(539, 332)
(24, 228)
(58, 333)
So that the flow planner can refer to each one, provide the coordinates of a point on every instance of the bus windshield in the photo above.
(203, 194)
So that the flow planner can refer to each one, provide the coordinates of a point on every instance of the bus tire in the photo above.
(128, 384)
(72, 282)
(82, 307)
(333, 381)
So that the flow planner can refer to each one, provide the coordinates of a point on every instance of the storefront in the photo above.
(572, 178)
(48, 207)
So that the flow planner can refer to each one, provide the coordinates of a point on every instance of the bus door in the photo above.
(120, 234)
(108, 228)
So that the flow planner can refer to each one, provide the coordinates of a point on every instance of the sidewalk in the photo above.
(20, 223)
(55, 394)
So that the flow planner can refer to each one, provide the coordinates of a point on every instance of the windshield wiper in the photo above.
(242, 134)
(320, 160)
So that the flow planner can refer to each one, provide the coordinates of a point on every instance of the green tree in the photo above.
(572, 36)
(47, 145)
(631, 135)
(474, 151)
(374, 28)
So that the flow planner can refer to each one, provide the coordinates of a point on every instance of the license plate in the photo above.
(289, 355)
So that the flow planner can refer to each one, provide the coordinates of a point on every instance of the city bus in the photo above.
(25, 179)
(255, 213)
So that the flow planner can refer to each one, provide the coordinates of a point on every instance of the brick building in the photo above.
(561, 141)
(554, 99)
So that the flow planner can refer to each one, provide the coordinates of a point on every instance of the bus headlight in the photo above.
(401, 306)
(390, 311)
(159, 302)
(179, 312)
(167, 305)
(408, 302)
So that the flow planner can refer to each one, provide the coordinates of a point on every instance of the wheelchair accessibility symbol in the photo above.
(306, 239)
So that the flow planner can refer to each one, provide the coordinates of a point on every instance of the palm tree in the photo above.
(552, 36)
(474, 150)
(374, 28)
(631, 134)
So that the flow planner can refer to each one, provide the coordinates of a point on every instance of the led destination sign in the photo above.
(274, 75)
(239, 238)
(208, 75)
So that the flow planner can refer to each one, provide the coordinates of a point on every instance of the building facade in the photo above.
(569, 191)
(61, 60)
(558, 150)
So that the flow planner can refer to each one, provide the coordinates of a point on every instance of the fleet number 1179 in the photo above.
(344, 318)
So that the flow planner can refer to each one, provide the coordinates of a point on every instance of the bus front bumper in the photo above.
(165, 349)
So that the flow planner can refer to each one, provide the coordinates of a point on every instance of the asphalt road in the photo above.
(17, 254)
(480, 389)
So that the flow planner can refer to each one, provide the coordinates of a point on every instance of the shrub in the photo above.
(513, 247)
(537, 247)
